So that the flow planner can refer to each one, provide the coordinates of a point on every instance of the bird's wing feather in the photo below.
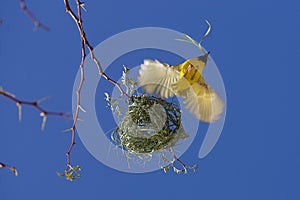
(181, 87)
(203, 102)
(157, 78)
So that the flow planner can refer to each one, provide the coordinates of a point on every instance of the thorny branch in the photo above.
(36, 104)
(36, 22)
(184, 167)
(78, 21)
(84, 43)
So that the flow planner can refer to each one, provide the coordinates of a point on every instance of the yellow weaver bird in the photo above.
(184, 80)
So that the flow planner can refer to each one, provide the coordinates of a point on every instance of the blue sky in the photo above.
(256, 47)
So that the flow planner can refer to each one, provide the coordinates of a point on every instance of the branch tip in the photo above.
(36, 22)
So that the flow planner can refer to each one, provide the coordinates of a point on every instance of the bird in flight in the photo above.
(183, 80)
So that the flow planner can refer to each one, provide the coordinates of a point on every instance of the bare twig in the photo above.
(84, 43)
(184, 168)
(78, 21)
(43, 112)
(11, 168)
(36, 22)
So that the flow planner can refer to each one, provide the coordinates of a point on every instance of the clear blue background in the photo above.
(256, 47)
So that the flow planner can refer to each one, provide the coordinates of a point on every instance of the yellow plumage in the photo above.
(184, 80)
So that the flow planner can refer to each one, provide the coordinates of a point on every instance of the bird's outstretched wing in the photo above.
(203, 102)
(165, 81)
(157, 78)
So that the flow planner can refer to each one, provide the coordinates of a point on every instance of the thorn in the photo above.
(83, 8)
(82, 5)
(67, 130)
(44, 115)
(81, 108)
(43, 99)
(79, 119)
(19, 111)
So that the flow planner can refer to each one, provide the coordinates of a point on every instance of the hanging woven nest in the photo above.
(151, 124)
